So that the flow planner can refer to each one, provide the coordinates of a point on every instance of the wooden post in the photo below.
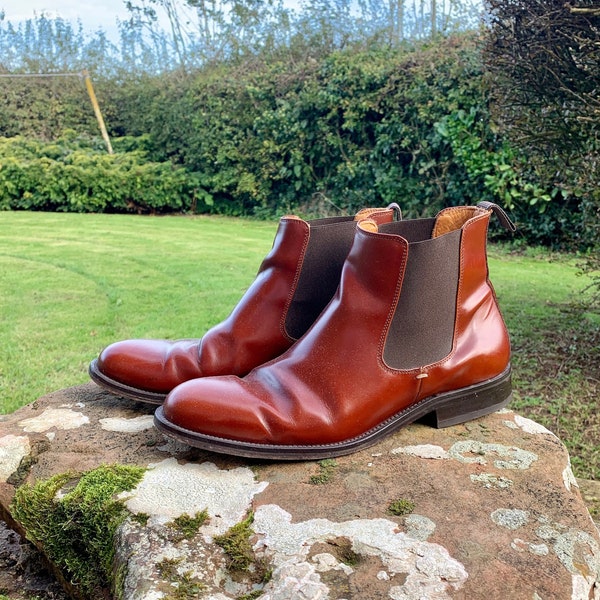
(90, 89)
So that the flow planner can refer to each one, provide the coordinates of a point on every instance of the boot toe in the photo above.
(133, 362)
(217, 407)
(146, 369)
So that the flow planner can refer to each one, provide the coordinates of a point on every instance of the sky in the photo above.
(93, 14)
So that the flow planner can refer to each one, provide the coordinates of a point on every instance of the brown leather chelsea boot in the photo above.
(413, 330)
(294, 284)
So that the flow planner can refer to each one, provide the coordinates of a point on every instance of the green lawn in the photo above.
(72, 283)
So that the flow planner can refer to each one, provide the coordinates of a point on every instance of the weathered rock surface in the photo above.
(491, 510)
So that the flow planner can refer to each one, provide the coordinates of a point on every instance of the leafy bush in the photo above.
(75, 175)
(297, 130)
(44, 107)
(357, 127)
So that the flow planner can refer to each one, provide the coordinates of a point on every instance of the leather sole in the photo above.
(441, 410)
(121, 389)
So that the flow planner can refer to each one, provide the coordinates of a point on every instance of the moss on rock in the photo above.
(401, 507)
(188, 526)
(326, 469)
(73, 519)
(236, 544)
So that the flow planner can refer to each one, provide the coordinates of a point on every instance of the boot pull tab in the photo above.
(368, 225)
(499, 212)
(394, 206)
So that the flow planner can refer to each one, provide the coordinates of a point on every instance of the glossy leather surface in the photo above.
(333, 384)
(252, 334)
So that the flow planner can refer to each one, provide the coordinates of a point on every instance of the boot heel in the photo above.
(473, 402)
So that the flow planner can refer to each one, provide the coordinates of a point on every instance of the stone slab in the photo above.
(492, 509)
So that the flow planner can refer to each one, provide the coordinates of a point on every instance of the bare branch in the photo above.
(584, 10)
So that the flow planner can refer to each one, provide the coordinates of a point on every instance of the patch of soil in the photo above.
(22, 574)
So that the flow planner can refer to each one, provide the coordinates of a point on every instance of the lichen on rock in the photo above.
(13, 448)
(59, 418)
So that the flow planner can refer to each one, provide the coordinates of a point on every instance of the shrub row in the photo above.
(362, 126)
(353, 128)
(75, 175)
(309, 134)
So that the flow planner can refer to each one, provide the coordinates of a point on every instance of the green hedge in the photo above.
(76, 175)
(363, 126)
(294, 133)
(353, 128)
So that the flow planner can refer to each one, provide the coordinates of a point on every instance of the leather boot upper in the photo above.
(293, 285)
